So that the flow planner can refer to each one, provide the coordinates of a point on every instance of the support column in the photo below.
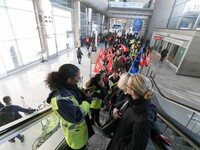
(44, 18)
(179, 22)
(77, 23)
(99, 22)
(89, 21)
(86, 12)
(196, 22)
(102, 23)
(108, 24)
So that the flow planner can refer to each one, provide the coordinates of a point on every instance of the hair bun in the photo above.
(148, 94)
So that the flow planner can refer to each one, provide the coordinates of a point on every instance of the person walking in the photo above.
(163, 54)
(71, 104)
(14, 109)
(79, 55)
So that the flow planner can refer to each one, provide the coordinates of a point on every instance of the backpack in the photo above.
(6, 116)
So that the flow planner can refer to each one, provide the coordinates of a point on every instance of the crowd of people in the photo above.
(78, 108)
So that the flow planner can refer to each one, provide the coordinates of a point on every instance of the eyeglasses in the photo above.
(128, 87)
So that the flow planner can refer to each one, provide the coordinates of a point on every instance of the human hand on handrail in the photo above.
(116, 113)
(160, 138)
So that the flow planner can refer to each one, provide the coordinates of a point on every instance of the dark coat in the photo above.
(79, 53)
(135, 126)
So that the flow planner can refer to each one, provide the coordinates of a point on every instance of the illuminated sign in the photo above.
(157, 37)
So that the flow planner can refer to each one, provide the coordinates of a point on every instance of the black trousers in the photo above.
(95, 115)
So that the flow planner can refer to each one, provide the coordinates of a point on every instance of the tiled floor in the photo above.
(180, 88)
(29, 83)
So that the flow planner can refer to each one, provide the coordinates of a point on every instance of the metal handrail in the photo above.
(14, 128)
(172, 100)
(183, 131)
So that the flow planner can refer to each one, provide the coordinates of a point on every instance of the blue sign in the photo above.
(137, 24)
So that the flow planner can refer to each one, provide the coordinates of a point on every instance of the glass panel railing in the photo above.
(130, 5)
(29, 132)
(181, 116)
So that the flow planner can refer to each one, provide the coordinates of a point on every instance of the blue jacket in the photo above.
(16, 109)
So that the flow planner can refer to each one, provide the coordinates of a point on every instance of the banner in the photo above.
(137, 24)
(124, 48)
(109, 66)
(98, 66)
(148, 60)
(101, 54)
(135, 65)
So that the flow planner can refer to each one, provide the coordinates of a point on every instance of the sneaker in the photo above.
(22, 139)
(12, 140)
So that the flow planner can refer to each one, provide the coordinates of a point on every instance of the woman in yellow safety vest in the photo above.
(71, 104)
(97, 97)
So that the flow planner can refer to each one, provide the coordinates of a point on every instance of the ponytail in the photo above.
(53, 81)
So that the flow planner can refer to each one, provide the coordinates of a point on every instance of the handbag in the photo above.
(112, 123)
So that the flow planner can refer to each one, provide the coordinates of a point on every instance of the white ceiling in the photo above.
(99, 5)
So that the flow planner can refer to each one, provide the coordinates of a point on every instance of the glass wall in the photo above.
(63, 26)
(19, 39)
(158, 45)
(185, 15)
(179, 55)
(172, 53)
(83, 30)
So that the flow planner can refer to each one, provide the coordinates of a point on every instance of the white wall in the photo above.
(19, 39)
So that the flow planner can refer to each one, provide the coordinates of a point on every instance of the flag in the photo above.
(125, 49)
(110, 51)
(101, 54)
(147, 60)
(142, 61)
(98, 66)
(134, 68)
(139, 55)
(109, 66)
(135, 65)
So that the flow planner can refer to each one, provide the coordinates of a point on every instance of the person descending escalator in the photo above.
(11, 113)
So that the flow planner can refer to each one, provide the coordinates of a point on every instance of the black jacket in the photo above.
(135, 126)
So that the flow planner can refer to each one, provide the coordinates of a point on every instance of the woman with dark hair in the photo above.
(97, 96)
(71, 104)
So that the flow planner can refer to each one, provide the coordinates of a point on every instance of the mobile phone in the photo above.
(91, 89)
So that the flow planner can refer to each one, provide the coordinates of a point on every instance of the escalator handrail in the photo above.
(21, 123)
(172, 100)
(181, 128)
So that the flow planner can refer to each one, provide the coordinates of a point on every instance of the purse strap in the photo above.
(124, 106)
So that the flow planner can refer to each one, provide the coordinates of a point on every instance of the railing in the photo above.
(188, 126)
(130, 5)
(14, 128)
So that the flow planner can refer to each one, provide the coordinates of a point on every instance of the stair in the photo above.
(177, 142)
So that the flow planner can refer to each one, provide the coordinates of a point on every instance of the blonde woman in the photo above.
(137, 122)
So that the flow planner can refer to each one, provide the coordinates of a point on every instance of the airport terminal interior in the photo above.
(158, 39)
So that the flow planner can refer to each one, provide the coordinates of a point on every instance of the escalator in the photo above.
(181, 124)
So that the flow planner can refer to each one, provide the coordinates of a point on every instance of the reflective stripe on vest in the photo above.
(96, 102)
(76, 134)
(67, 124)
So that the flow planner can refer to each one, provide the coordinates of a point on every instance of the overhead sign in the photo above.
(174, 41)
(158, 37)
(137, 24)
